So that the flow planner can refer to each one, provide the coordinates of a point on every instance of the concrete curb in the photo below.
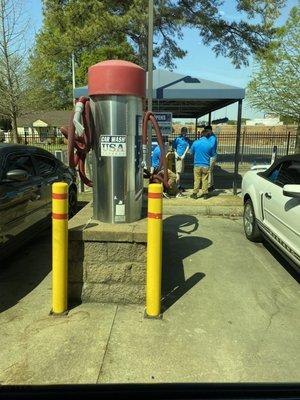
(224, 211)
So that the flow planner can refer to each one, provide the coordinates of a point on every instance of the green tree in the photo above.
(288, 120)
(95, 30)
(84, 28)
(275, 85)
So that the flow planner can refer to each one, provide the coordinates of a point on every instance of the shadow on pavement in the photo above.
(216, 192)
(286, 264)
(23, 271)
(81, 204)
(223, 179)
(25, 268)
(177, 247)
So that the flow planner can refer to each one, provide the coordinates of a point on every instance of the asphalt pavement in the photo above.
(231, 314)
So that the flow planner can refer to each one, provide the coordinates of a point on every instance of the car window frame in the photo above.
(2, 161)
(35, 160)
(20, 153)
(269, 171)
(278, 166)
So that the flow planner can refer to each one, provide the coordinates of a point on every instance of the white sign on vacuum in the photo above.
(113, 145)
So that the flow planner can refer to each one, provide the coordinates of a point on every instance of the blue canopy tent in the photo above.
(190, 97)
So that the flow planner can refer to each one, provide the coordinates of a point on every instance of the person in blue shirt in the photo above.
(181, 147)
(202, 150)
(155, 159)
(214, 141)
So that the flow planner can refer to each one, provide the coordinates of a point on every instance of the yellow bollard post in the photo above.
(59, 247)
(154, 250)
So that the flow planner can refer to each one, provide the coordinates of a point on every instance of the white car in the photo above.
(272, 206)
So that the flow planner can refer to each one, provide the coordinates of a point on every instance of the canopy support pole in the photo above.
(209, 118)
(237, 147)
(150, 54)
(150, 74)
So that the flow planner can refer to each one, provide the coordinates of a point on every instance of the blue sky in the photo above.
(200, 60)
(220, 69)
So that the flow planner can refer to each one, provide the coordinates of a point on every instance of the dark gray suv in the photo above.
(26, 177)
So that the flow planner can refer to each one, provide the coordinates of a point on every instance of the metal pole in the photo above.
(288, 143)
(74, 102)
(274, 154)
(243, 145)
(150, 54)
(73, 76)
(209, 118)
(81, 186)
(59, 247)
(154, 251)
(89, 165)
(237, 147)
(150, 73)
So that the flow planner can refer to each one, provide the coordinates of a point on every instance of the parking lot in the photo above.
(232, 315)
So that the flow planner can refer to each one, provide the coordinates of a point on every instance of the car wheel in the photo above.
(72, 202)
(251, 228)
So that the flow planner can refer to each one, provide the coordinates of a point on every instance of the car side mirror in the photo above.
(18, 175)
(291, 190)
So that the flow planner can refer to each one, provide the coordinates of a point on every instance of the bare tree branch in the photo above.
(12, 61)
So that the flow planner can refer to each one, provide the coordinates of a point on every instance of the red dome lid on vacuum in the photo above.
(116, 77)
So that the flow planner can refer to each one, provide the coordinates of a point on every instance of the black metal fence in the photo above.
(256, 147)
(50, 143)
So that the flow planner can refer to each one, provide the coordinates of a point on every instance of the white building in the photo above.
(43, 125)
(268, 120)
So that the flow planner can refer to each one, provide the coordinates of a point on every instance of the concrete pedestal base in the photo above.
(107, 262)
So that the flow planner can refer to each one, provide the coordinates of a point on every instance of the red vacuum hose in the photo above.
(149, 116)
(80, 143)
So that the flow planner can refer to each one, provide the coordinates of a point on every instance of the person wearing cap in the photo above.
(214, 141)
(181, 147)
(202, 150)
